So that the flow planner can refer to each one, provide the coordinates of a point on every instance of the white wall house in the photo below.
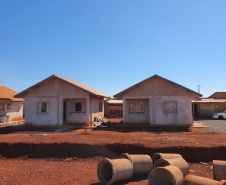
(157, 101)
(57, 100)
(11, 109)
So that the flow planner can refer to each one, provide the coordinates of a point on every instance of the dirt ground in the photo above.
(72, 157)
(69, 171)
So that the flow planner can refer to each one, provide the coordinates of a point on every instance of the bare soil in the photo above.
(69, 171)
(28, 157)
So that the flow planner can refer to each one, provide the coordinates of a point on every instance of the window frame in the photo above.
(100, 106)
(9, 106)
(80, 107)
(39, 110)
(171, 104)
(136, 107)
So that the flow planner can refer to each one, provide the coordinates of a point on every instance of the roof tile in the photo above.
(7, 93)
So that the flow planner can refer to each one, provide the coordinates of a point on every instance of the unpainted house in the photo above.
(206, 107)
(57, 100)
(157, 101)
(113, 108)
(11, 109)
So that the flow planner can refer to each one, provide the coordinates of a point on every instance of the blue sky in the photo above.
(110, 45)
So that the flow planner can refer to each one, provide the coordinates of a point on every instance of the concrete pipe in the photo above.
(110, 171)
(157, 156)
(219, 170)
(223, 182)
(196, 180)
(141, 163)
(178, 162)
(166, 175)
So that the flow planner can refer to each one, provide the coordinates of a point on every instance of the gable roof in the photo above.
(7, 93)
(155, 76)
(72, 82)
(218, 95)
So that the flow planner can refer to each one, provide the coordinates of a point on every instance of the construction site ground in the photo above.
(43, 156)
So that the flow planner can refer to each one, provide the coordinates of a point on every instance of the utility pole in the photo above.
(199, 88)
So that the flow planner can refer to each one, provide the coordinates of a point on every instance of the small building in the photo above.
(206, 107)
(113, 108)
(57, 100)
(11, 109)
(157, 101)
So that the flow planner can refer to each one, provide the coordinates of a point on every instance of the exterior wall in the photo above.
(71, 115)
(136, 117)
(206, 110)
(94, 107)
(34, 118)
(15, 113)
(154, 114)
(182, 118)
(55, 92)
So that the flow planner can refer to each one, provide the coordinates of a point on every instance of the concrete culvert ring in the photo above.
(162, 178)
(142, 163)
(156, 156)
(105, 171)
(110, 171)
(178, 162)
(126, 156)
(169, 175)
(161, 163)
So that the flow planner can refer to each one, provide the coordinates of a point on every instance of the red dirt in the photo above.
(59, 151)
(68, 171)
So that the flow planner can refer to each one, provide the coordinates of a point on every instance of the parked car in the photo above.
(221, 115)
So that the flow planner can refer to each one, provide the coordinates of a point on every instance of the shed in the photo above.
(113, 108)
(206, 107)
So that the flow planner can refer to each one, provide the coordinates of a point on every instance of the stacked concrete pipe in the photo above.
(110, 171)
(178, 162)
(141, 163)
(156, 156)
(166, 175)
(219, 170)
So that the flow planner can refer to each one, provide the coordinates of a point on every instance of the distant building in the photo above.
(113, 108)
(57, 100)
(157, 101)
(11, 109)
(206, 107)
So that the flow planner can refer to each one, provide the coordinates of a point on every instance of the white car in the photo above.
(221, 115)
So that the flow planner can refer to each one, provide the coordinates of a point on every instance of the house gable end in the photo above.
(56, 87)
(157, 86)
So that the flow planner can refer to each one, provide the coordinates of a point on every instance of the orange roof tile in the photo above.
(7, 93)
